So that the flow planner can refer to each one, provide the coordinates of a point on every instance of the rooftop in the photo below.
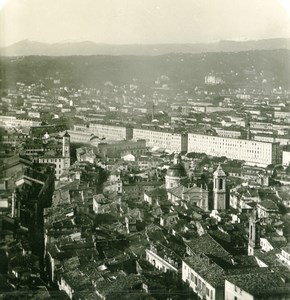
(268, 205)
(206, 245)
(158, 192)
(208, 270)
(259, 284)
(286, 249)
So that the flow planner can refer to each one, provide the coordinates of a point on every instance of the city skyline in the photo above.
(139, 22)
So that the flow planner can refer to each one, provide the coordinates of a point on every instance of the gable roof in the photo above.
(178, 191)
(211, 272)
(268, 205)
(258, 284)
(158, 192)
(206, 245)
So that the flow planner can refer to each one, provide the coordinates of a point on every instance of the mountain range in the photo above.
(27, 47)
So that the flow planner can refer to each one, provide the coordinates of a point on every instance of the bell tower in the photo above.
(219, 189)
(254, 233)
(66, 150)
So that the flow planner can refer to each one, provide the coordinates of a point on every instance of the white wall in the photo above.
(285, 158)
(233, 292)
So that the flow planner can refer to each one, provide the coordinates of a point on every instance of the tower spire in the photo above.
(66, 150)
(254, 233)
(219, 188)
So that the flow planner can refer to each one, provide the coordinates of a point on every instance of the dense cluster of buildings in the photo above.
(115, 193)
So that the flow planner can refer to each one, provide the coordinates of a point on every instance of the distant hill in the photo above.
(259, 69)
(27, 47)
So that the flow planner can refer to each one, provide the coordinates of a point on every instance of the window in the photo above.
(220, 184)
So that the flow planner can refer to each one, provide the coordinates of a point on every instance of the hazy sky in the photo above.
(143, 21)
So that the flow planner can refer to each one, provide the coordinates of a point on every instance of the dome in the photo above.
(176, 171)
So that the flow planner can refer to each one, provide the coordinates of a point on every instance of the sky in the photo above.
(142, 21)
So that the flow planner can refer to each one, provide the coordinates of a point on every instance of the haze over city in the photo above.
(143, 22)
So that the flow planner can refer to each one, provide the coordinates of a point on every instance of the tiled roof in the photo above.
(158, 192)
(122, 284)
(206, 245)
(268, 205)
(178, 191)
(259, 284)
(269, 257)
(286, 249)
(277, 241)
(248, 192)
(209, 271)
(194, 189)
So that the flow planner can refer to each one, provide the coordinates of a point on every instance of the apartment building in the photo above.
(12, 121)
(108, 131)
(248, 150)
(113, 132)
(119, 148)
(162, 139)
(282, 114)
(272, 139)
(162, 259)
(79, 136)
(204, 270)
(228, 133)
(265, 285)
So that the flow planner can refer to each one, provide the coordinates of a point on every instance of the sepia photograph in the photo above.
(145, 149)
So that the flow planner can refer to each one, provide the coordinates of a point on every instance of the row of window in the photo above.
(201, 286)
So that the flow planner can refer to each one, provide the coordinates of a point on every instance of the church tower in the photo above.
(66, 151)
(254, 233)
(219, 189)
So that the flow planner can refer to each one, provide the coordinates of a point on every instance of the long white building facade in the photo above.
(251, 151)
(248, 150)
(108, 131)
(162, 139)
(12, 121)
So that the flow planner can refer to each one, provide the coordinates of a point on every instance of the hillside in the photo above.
(241, 68)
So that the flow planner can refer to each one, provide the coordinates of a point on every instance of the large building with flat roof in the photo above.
(252, 151)
(12, 121)
(108, 131)
(248, 150)
(165, 139)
